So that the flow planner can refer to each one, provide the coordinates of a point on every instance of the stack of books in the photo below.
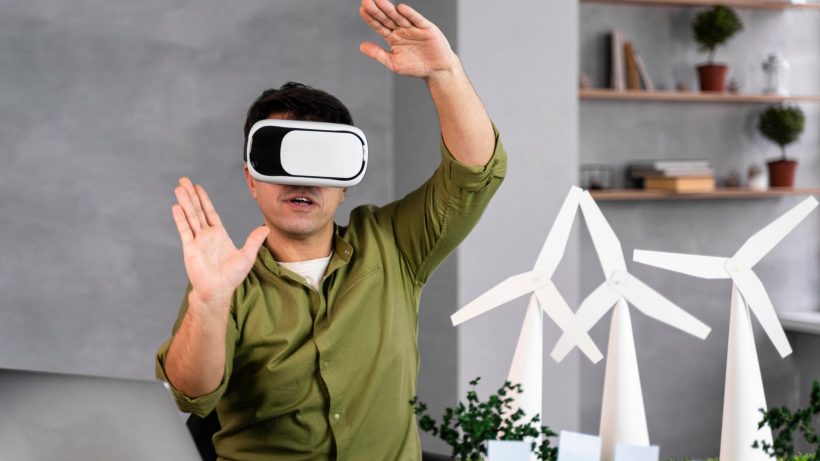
(680, 176)
(627, 70)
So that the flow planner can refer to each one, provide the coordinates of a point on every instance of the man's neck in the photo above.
(286, 248)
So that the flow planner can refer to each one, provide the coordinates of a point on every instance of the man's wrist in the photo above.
(445, 77)
(211, 308)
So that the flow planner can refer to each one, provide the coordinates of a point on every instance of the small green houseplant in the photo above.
(785, 422)
(713, 28)
(782, 124)
(469, 426)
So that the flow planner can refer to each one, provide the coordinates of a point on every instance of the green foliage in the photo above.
(715, 27)
(782, 124)
(785, 423)
(468, 427)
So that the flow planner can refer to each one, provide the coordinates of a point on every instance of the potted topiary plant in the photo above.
(782, 124)
(712, 28)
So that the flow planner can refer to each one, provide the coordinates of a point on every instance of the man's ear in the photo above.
(251, 182)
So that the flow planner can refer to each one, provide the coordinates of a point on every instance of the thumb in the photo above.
(255, 240)
(377, 53)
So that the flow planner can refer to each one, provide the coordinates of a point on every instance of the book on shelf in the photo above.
(633, 80)
(681, 185)
(616, 61)
(638, 172)
(647, 82)
(626, 68)
(672, 163)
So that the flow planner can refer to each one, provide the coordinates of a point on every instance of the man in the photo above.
(304, 339)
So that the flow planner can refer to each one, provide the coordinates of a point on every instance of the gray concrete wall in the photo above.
(416, 140)
(523, 62)
(104, 106)
(683, 377)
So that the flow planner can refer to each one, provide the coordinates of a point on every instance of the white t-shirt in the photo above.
(312, 270)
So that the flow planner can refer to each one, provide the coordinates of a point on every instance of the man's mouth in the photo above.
(300, 201)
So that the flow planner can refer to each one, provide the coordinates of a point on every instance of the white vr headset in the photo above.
(300, 153)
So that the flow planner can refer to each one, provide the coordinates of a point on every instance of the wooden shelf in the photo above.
(688, 96)
(751, 4)
(613, 195)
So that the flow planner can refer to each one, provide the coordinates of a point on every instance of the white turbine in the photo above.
(527, 362)
(623, 419)
(743, 392)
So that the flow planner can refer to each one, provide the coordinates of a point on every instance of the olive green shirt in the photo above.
(330, 374)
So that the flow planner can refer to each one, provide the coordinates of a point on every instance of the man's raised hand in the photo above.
(417, 46)
(215, 266)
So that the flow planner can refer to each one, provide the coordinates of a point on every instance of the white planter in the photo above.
(509, 450)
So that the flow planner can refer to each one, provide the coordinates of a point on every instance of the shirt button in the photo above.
(324, 364)
(336, 416)
(347, 252)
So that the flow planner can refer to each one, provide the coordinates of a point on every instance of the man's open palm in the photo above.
(417, 46)
(215, 266)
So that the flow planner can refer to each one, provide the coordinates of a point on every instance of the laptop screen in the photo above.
(50, 416)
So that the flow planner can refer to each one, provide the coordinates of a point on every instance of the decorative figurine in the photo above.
(777, 75)
(757, 180)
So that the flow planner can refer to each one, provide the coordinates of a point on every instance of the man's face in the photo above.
(297, 212)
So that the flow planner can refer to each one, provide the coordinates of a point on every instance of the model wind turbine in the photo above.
(743, 392)
(527, 362)
(623, 419)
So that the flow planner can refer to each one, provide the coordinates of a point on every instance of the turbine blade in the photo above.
(767, 238)
(606, 242)
(509, 289)
(591, 310)
(705, 267)
(556, 242)
(554, 305)
(653, 304)
(755, 296)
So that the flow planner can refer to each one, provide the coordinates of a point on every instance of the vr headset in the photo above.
(300, 153)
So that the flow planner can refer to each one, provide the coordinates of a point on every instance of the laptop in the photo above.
(50, 416)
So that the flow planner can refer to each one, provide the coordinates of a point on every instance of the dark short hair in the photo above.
(297, 102)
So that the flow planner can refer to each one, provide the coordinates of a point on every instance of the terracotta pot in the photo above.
(781, 173)
(712, 77)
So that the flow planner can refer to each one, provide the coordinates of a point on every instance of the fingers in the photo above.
(194, 210)
(373, 10)
(374, 23)
(255, 240)
(210, 213)
(378, 53)
(187, 205)
(189, 187)
(390, 10)
(414, 16)
(185, 233)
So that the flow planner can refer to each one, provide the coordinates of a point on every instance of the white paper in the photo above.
(624, 452)
(574, 446)
(508, 450)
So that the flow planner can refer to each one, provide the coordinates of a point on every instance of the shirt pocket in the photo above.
(373, 274)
